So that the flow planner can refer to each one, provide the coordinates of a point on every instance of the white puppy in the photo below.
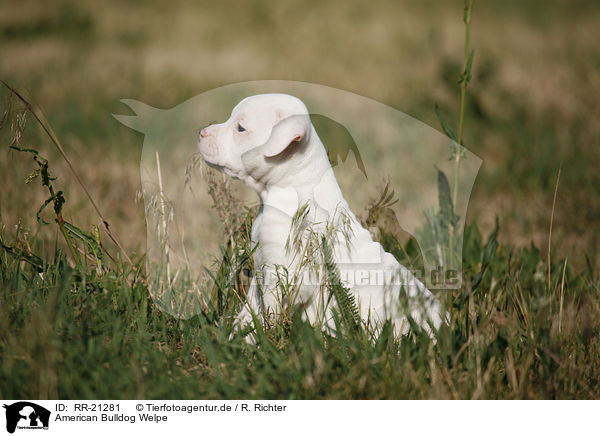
(270, 144)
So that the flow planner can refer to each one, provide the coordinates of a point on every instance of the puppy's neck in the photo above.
(306, 171)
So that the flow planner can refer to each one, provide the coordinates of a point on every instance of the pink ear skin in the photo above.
(270, 152)
(290, 130)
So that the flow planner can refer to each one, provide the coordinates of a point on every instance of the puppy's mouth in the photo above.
(207, 152)
(215, 166)
(210, 160)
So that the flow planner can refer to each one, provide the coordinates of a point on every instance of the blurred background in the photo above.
(534, 101)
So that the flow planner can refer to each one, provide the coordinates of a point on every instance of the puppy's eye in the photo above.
(240, 128)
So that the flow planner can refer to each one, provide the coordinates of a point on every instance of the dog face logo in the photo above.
(247, 131)
(26, 415)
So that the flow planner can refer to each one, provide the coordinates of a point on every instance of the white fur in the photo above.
(281, 157)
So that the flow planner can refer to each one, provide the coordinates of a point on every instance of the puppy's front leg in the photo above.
(250, 306)
(261, 301)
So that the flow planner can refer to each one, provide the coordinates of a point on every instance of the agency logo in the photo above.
(324, 162)
(26, 415)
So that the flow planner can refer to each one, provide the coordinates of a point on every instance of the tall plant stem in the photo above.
(61, 226)
(463, 93)
(45, 125)
(464, 80)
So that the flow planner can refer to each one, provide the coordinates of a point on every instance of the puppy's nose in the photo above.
(204, 133)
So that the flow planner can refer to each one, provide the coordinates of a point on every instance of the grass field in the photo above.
(527, 328)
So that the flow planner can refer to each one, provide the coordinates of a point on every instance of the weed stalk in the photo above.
(464, 81)
(50, 132)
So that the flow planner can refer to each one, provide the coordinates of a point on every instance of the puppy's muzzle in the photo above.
(206, 144)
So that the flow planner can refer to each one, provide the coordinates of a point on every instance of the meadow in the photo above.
(525, 323)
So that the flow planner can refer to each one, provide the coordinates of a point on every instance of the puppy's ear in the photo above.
(290, 130)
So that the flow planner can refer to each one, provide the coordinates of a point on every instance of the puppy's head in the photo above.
(261, 134)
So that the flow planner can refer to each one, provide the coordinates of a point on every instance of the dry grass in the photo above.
(515, 331)
(397, 53)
